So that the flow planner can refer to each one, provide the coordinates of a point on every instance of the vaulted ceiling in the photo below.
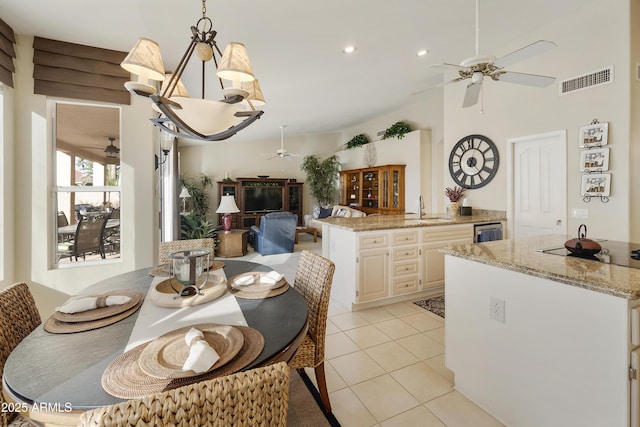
(296, 46)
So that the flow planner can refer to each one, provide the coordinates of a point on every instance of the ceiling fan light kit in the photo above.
(479, 66)
(200, 119)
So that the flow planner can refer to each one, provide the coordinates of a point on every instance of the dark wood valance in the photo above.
(71, 70)
(7, 53)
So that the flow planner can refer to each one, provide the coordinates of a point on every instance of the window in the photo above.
(87, 182)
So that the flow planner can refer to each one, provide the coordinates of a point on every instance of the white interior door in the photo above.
(539, 184)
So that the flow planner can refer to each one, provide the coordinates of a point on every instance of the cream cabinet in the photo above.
(433, 239)
(383, 266)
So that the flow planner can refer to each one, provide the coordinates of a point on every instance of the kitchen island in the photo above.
(543, 340)
(381, 259)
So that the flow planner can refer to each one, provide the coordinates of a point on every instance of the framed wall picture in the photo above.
(596, 184)
(596, 160)
(594, 135)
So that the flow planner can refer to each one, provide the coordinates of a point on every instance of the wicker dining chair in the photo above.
(165, 248)
(18, 318)
(257, 397)
(314, 276)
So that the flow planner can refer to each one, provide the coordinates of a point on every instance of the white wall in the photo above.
(596, 36)
(634, 140)
(250, 158)
(33, 203)
(6, 187)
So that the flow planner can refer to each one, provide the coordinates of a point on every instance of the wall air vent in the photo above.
(585, 81)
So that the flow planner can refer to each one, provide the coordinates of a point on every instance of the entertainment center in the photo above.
(256, 197)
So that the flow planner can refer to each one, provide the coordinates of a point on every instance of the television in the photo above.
(262, 199)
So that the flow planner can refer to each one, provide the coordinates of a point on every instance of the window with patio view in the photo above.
(87, 183)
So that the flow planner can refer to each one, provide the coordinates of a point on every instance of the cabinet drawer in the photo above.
(372, 241)
(404, 253)
(446, 233)
(403, 285)
(404, 238)
(405, 267)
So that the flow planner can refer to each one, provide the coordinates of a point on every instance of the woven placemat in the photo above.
(125, 379)
(163, 269)
(104, 312)
(165, 355)
(55, 326)
(257, 290)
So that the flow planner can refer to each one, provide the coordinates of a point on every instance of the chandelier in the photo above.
(197, 118)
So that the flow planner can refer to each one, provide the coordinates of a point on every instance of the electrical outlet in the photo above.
(496, 309)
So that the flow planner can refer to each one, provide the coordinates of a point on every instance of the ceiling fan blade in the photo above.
(526, 52)
(418, 92)
(524, 79)
(472, 94)
(446, 66)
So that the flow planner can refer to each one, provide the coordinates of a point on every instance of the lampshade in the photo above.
(144, 60)
(166, 141)
(227, 205)
(255, 93)
(184, 193)
(235, 64)
(179, 90)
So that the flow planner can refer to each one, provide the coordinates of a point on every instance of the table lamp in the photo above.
(183, 195)
(227, 207)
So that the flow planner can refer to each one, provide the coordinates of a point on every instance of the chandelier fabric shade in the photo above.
(145, 61)
(201, 119)
(235, 65)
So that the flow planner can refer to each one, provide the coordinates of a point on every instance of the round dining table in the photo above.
(52, 378)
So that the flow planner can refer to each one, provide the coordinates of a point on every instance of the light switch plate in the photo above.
(580, 213)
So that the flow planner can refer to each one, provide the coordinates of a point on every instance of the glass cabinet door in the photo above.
(384, 198)
(395, 190)
(370, 187)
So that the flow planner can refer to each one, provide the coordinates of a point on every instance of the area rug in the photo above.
(434, 305)
(304, 405)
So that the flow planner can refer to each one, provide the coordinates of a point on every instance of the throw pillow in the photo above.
(325, 213)
(342, 212)
(315, 214)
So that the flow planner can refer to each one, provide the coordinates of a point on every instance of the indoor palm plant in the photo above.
(322, 177)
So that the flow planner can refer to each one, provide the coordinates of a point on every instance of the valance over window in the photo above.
(76, 71)
(7, 53)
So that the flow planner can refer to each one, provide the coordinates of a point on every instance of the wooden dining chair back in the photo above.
(62, 219)
(19, 316)
(314, 276)
(257, 397)
(165, 248)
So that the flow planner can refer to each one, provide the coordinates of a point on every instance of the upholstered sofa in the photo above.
(335, 211)
(276, 234)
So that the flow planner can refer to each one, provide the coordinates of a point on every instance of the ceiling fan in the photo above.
(111, 150)
(281, 152)
(479, 66)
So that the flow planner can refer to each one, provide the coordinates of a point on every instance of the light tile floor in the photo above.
(385, 366)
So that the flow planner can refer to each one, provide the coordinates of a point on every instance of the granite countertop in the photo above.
(519, 255)
(387, 222)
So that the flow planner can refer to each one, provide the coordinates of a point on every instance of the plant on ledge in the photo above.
(454, 194)
(322, 177)
(397, 130)
(357, 141)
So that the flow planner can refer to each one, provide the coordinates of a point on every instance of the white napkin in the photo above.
(271, 278)
(77, 305)
(245, 280)
(201, 355)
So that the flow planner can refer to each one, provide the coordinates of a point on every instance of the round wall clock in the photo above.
(473, 161)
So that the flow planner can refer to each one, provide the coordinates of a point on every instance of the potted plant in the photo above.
(454, 195)
(322, 177)
(397, 130)
(197, 188)
(357, 141)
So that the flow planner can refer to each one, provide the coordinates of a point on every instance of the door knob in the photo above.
(558, 222)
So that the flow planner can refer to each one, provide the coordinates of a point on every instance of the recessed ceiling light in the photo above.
(422, 52)
(349, 49)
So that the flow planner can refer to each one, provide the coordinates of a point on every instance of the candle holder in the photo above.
(190, 271)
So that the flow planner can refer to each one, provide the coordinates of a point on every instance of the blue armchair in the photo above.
(277, 233)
